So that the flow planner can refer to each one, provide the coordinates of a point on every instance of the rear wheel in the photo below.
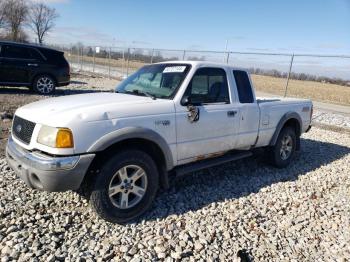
(282, 153)
(44, 85)
(125, 187)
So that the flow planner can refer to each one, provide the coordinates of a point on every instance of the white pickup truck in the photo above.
(166, 119)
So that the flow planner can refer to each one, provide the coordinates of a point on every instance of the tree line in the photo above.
(18, 15)
(136, 55)
(299, 76)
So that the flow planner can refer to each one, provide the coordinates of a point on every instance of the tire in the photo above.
(112, 206)
(283, 152)
(44, 85)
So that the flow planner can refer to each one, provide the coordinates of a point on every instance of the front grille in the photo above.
(23, 129)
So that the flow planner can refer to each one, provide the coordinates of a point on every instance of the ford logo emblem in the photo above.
(18, 128)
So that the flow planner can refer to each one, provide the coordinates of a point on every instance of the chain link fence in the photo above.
(320, 77)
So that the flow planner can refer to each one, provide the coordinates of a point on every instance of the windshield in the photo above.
(157, 81)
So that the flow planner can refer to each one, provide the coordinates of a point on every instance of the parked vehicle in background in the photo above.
(166, 119)
(39, 68)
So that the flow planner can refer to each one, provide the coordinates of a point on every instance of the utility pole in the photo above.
(226, 46)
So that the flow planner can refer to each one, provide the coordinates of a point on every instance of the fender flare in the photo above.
(287, 116)
(130, 133)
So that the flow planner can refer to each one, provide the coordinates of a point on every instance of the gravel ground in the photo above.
(251, 209)
(331, 118)
(298, 213)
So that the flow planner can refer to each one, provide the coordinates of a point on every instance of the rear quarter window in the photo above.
(54, 57)
(36, 55)
(244, 87)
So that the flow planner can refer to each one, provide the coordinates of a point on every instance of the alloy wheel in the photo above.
(45, 85)
(128, 186)
(286, 147)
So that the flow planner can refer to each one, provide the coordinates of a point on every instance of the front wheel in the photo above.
(282, 153)
(44, 85)
(125, 187)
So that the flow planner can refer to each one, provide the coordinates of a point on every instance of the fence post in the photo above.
(123, 65)
(127, 67)
(227, 57)
(288, 77)
(77, 61)
(71, 54)
(152, 56)
(93, 63)
(184, 55)
(109, 63)
(81, 58)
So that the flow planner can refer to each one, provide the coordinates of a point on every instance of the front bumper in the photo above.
(47, 173)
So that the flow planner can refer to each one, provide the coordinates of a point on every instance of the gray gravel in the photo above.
(298, 213)
(246, 208)
(331, 118)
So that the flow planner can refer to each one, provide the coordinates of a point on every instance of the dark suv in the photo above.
(36, 67)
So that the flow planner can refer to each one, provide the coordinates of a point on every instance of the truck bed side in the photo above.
(272, 112)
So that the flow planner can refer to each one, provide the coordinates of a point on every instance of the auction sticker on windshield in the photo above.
(174, 69)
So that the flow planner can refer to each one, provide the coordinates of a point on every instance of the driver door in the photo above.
(215, 130)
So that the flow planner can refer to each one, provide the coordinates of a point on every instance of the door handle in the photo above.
(32, 64)
(231, 113)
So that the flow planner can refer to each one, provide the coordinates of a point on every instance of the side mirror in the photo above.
(186, 101)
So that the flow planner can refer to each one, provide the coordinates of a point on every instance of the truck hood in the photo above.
(88, 107)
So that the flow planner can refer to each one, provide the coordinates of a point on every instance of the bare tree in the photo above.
(2, 14)
(15, 15)
(41, 20)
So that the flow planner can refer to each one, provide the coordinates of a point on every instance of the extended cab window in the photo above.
(208, 85)
(16, 52)
(244, 88)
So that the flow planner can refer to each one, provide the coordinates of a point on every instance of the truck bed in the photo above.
(277, 100)
(272, 109)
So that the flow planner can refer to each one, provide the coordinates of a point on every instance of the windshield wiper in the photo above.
(136, 91)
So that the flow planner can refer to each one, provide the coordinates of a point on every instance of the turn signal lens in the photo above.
(64, 138)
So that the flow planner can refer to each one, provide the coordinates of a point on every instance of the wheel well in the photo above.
(144, 145)
(294, 123)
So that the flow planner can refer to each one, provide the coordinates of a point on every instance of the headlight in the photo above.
(55, 137)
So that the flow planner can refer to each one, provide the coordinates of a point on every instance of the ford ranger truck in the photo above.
(166, 119)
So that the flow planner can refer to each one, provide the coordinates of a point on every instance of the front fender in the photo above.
(134, 132)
